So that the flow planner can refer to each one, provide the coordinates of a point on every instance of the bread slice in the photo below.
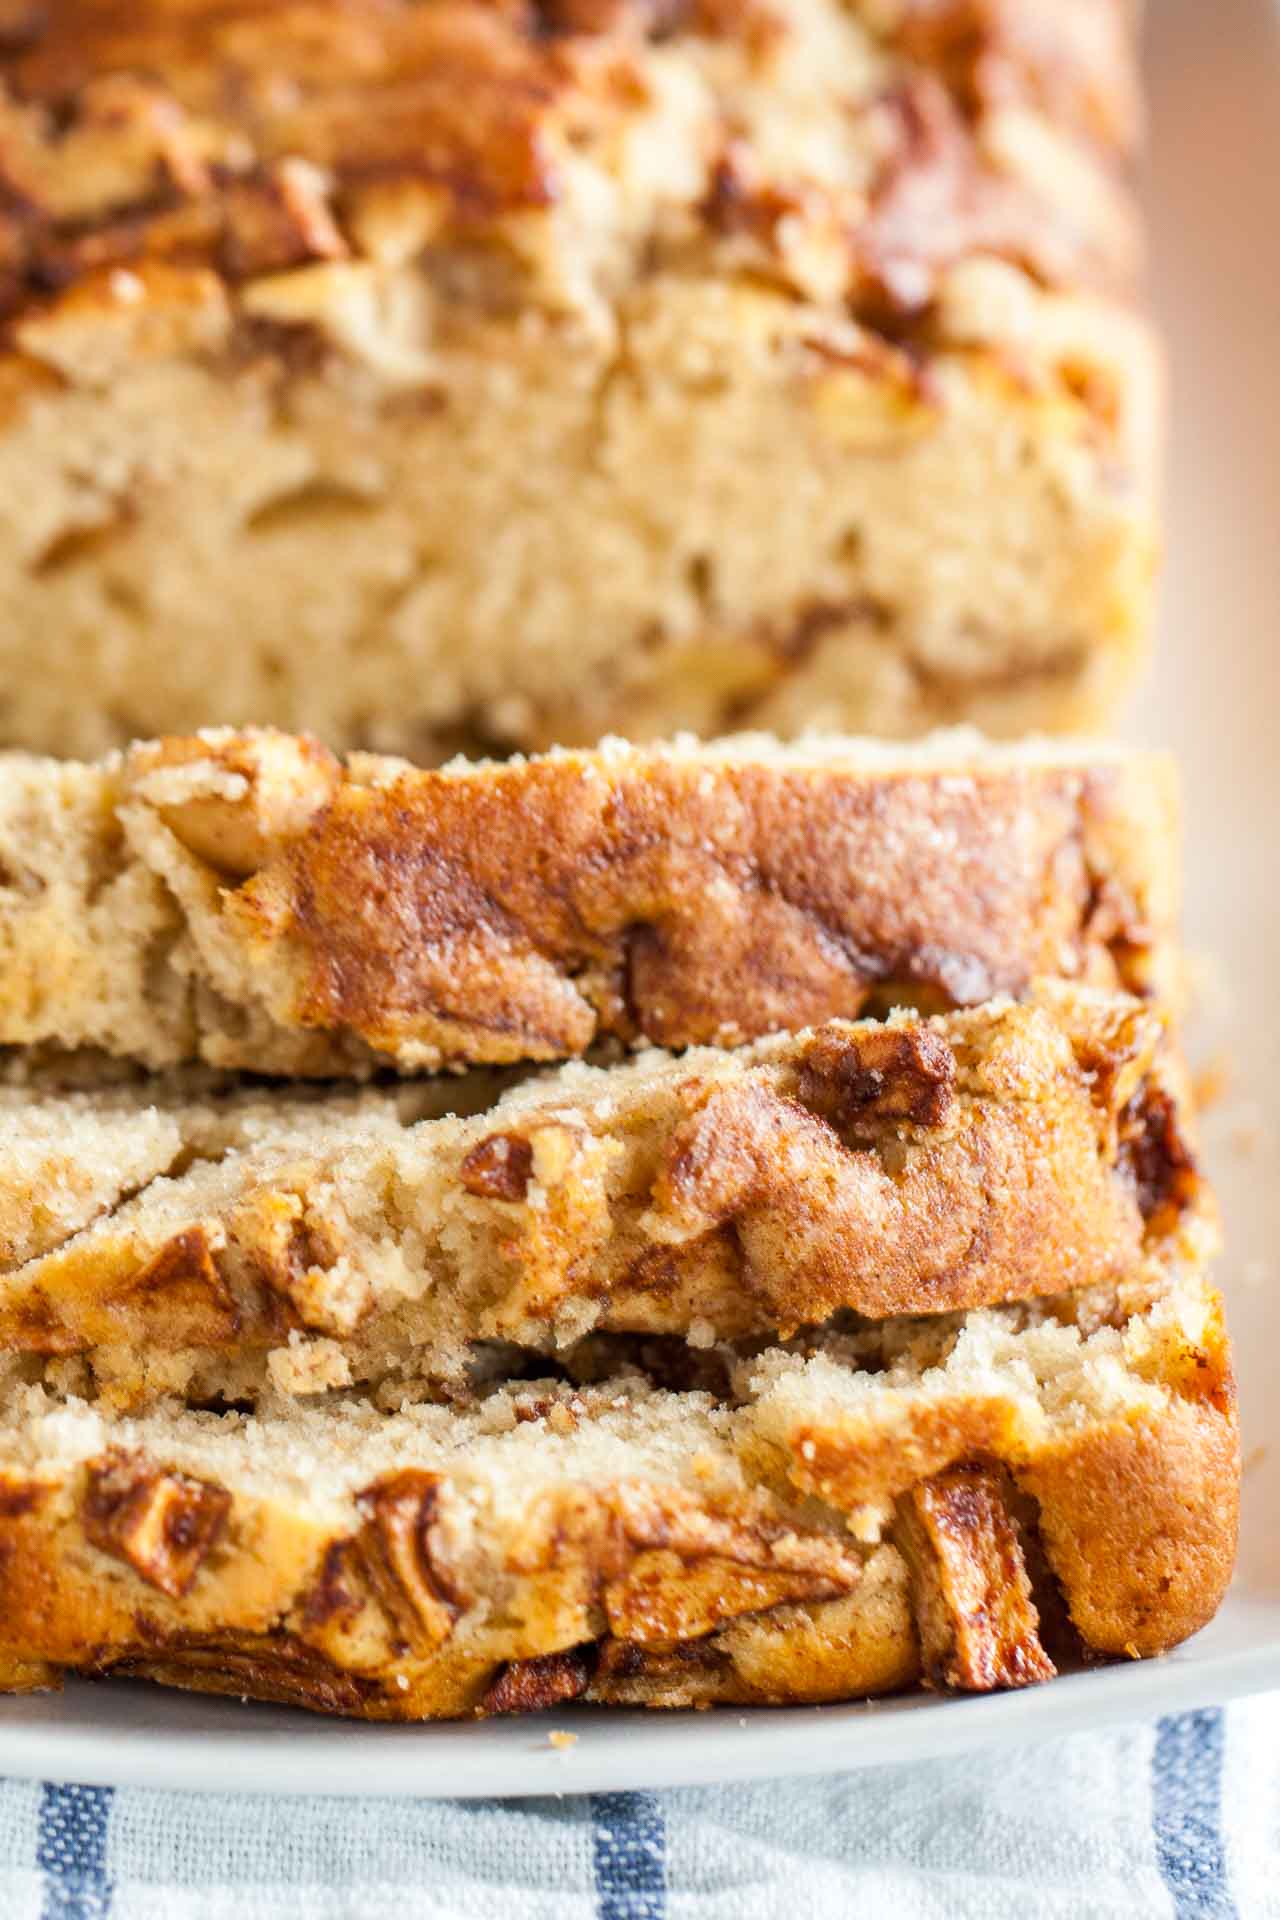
(525, 373)
(249, 901)
(72, 1154)
(918, 1165)
(969, 1512)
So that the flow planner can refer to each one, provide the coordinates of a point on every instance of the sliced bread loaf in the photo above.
(249, 901)
(971, 1508)
(916, 1165)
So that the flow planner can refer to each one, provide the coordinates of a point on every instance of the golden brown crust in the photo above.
(678, 896)
(1137, 1516)
(27, 1676)
(1129, 1589)
(166, 136)
(666, 910)
(911, 1167)
(630, 1589)
(330, 1636)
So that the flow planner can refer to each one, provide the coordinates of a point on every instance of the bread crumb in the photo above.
(308, 1366)
(1252, 1460)
(561, 1740)
(868, 1521)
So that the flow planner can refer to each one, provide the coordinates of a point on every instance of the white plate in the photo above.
(1215, 75)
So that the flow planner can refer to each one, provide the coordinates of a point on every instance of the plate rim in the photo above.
(615, 1749)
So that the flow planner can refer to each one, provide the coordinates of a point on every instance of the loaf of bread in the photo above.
(907, 1167)
(249, 901)
(792, 1284)
(436, 375)
(971, 1511)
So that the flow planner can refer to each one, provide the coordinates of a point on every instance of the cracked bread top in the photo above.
(247, 900)
(546, 151)
(907, 1167)
(821, 1534)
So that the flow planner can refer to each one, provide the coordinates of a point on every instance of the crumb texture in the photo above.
(765, 359)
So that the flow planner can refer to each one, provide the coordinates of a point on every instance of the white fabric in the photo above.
(1179, 1820)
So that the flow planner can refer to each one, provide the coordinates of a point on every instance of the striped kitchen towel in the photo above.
(1180, 1819)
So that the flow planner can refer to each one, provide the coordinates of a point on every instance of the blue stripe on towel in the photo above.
(1186, 1794)
(630, 1847)
(71, 1851)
